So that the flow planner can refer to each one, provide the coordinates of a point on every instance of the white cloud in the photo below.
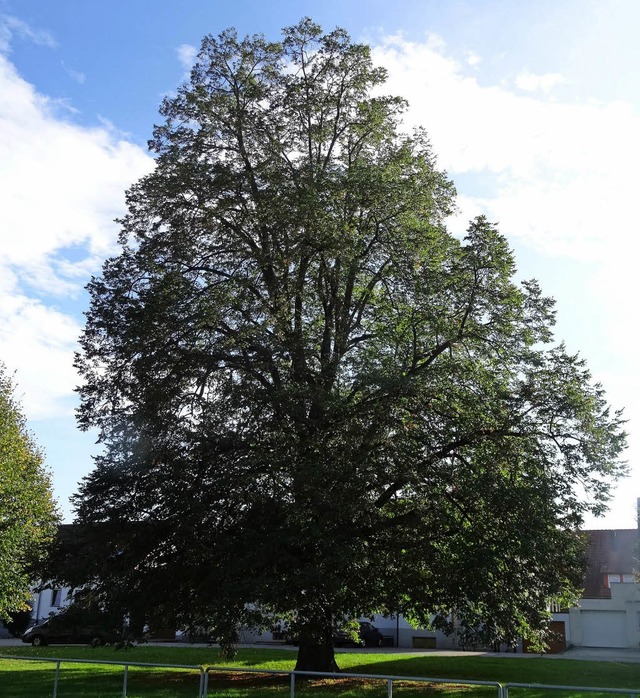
(529, 82)
(38, 342)
(472, 58)
(187, 56)
(75, 75)
(12, 27)
(62, 185)
(555, 164)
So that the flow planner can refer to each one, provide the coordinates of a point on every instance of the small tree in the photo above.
(315, 402)
(28, 514)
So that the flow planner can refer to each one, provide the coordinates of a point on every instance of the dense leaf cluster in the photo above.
(313, 398)
(28, 514)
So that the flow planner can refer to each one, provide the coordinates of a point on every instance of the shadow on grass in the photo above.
(255, 685)
(514, 669)
(88, 682)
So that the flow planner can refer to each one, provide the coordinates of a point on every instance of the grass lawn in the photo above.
(30, 679)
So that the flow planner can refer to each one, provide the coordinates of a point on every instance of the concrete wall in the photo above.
(622, 609)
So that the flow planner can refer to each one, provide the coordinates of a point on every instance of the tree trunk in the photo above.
(314, 655)
(315, 633)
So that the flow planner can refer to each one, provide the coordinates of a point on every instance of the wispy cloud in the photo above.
(12, 27)
(75, 75)
(187, 56)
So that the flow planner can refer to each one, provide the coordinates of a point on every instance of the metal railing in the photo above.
(389, 679)
(125, 665)
(204, 672)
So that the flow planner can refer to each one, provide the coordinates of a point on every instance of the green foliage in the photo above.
(27, 511)
(314, 400)
(20, 621)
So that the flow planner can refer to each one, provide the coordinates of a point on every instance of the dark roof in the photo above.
(609, 552)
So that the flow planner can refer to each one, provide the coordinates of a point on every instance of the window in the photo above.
(56, 597)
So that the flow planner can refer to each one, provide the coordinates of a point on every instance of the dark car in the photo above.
(368, 636)
(48, 633)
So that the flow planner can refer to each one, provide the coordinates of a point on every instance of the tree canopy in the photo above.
(317, 403)
(28, 513)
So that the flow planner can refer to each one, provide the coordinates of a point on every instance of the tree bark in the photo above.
(314, 655)
(315, 633)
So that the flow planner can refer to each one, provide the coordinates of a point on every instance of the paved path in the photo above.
(593, 654)
(601, 654)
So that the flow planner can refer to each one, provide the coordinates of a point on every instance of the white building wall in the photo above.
(613, 622)
(46, 602)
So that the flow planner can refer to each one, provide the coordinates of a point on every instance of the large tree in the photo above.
(315, 402)
(28, 513)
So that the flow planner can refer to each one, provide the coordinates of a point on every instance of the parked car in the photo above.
(48, 633)
(368, 636)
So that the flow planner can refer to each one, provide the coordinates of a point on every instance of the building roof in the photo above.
(609, 552)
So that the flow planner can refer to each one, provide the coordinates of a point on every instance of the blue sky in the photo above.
(532, 108)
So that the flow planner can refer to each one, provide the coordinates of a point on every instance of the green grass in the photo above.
(30, 679)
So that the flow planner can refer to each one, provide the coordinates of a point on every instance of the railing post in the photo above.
(124, 681)
(55, 680)
(206, 683)
(293, 684)
(389, 688)
(201, 686)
